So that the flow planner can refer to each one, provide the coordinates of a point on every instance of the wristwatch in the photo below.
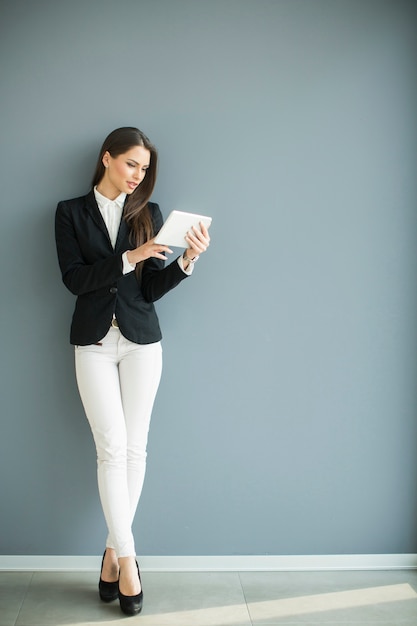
(185, 257)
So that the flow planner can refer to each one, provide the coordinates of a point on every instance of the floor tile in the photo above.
(13, 587)
(330, 597)
(56, 598)
(195, 599)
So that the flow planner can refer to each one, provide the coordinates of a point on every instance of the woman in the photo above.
(110, 261)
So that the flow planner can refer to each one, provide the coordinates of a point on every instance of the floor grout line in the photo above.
(24, 598)
(244, 596)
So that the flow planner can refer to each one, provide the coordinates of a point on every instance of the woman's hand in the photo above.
(198, 241)
(146, 251)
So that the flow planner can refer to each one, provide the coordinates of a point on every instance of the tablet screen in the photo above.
(176, 227)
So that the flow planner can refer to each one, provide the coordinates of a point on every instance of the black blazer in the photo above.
(92, 270)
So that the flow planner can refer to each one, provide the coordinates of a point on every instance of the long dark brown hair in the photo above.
(136, 211)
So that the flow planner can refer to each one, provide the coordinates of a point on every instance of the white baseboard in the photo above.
(241, 563)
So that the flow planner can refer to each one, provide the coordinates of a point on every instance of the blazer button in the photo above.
(113, 289)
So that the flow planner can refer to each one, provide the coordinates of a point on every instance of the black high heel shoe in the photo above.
(108, 591)
(132, 605)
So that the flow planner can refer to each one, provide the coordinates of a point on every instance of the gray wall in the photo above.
(286, 418)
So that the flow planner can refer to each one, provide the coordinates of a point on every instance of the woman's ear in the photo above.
(106, 158)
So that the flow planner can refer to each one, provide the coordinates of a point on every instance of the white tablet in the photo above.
(176, 227)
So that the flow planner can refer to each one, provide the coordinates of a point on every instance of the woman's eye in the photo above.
(131, 164)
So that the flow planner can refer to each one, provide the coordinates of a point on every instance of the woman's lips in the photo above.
(132, 185)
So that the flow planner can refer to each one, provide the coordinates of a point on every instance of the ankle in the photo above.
(111, 555)
(110, 568)
(129, 578)
(127, 563)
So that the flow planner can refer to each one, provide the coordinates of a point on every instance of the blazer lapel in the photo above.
(122, 240)
(95, 213)
(123, 233)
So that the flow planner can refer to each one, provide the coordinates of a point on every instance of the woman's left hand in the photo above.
(198, 241)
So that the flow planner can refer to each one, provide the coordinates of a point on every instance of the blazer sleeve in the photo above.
(81, 275)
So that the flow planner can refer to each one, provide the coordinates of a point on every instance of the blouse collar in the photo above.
(103, 201)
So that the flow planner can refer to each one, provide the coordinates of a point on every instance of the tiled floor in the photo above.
(378, 598)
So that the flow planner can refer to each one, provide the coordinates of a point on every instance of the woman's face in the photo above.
(124, 172)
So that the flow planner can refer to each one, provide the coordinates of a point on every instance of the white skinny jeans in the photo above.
(118, 381)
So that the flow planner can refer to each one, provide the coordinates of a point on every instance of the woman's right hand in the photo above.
(146, 251)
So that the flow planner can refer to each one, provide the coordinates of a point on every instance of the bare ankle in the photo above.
(127, 562)
(111, 555)
(129, 579)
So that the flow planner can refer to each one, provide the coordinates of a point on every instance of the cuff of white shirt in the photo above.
(127, 267)
(189, 269)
